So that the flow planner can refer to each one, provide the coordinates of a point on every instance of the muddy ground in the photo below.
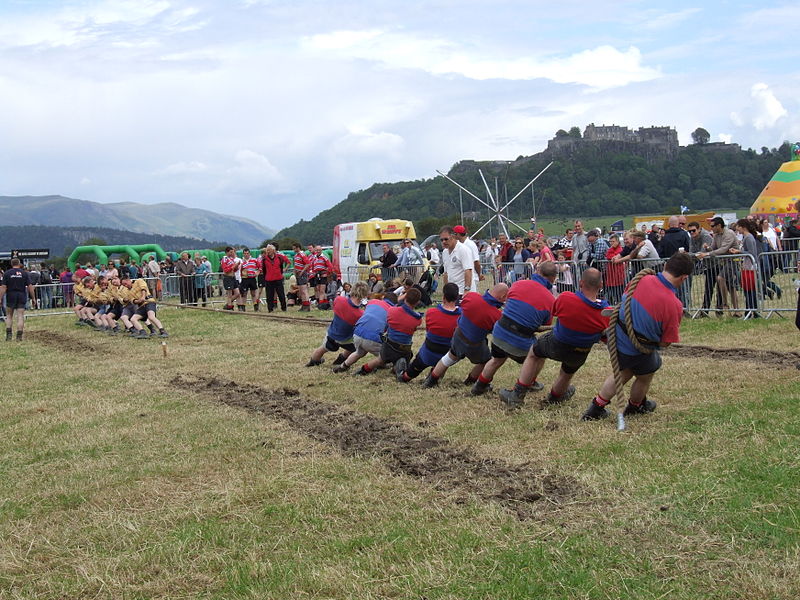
(766, 357)
(524, 489)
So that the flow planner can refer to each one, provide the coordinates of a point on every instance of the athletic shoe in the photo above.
(340, 368)
(19, 336)
(339, 359)
(8, 335)
(228, 307)
(536, 387)
(552, 400)
(479, 388)
(361, 372)
(647, 406)
(163, 334)
(430, 382)
(400, 369)
(594, 413)
(255, 307)
(142, 335)
(511, 399)
(315, 363)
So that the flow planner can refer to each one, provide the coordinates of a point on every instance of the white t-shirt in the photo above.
(456, 263)
(434, 260)
(476, 257)
(771, 237)
(647, 251)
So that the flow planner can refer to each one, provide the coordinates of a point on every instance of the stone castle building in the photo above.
(652, 143)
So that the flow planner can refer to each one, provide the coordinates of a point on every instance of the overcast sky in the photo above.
(277, 109)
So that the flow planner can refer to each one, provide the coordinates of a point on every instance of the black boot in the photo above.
(8, 334)
(19, 336)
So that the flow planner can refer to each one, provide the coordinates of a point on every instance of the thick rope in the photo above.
(620, 402)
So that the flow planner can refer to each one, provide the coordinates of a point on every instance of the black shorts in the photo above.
(476, 353)
(145, 308)
(262, 283)
(229, 283)
(392, 352)
(570, 357)
(129, 310)
(116, 310)
(319, 280)
(302, 279)
(640, 364)
(248, 284)
(16, 299)
(498, 352)
(331, 345)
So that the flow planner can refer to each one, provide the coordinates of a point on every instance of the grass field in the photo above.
(127, 474)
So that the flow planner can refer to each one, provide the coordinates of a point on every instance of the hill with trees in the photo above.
(590, 178)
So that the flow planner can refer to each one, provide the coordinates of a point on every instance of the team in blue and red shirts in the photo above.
(514, 317)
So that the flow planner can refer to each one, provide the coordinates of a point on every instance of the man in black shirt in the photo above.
(16, 288)
(674, 239)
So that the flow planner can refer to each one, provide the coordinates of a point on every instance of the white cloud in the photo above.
(764, 110)
(85, 181)
(183, 168)
(664, 20)
(252, 170)
(725, 137)
(600, 67)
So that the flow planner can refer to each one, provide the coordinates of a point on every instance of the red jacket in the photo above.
(273, 267)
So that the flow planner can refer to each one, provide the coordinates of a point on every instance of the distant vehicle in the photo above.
(361, 245)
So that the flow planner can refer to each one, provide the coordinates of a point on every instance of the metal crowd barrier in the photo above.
(362, 273)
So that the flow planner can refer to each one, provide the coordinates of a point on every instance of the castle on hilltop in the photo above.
(652, 143)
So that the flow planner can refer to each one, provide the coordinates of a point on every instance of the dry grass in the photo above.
(115, 485)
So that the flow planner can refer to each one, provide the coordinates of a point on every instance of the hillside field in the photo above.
(226, 469)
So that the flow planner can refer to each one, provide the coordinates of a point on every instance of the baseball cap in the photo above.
(718, 221)
(460, 230)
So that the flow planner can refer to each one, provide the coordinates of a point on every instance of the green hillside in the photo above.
(590, 183)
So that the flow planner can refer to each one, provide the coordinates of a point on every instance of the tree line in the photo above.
(590, 183)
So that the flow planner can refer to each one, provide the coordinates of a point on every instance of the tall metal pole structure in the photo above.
(496, 211)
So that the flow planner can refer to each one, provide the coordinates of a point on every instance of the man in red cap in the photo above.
(461, 236)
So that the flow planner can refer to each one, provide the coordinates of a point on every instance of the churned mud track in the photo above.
(788, 360)
(524, 489)
(59, 341)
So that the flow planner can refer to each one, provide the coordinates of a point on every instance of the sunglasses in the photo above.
(444, 239)
(692, 230)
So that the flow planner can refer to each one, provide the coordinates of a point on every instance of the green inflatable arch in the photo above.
(134, 252)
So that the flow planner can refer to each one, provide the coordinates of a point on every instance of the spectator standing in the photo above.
(184, 269)
(580, 244)
(46, 289)
(614, 274)
(273, 263)
(153, 274)
(597, 248)
(67, 286)
(457, 261)
(674, 239)
(17, 289)
(719, 274)
(202, 271)
(387, 260)
(461, 235)
(750, 248)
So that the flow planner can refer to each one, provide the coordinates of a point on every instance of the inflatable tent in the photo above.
(781, 196)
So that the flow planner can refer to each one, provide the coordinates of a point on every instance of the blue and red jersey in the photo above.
(478, 315)
(345, 316)
(372, 322)
(320, 265)
(656, 313)
(272, 267)
(530, 305)
(401, 323)
(580, 321)
(440, 324)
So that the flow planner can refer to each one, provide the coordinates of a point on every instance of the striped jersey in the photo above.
(345, 316)
(401, 323)
(250, 267)
(479, 313)
(529, 305)
(372, 323)
(656, 313)
(580, 321)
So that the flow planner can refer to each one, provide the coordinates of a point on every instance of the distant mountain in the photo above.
(165, 218)
(62, 240)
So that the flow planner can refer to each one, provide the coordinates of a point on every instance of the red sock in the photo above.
(483, 379)
(525, 385)
(366, 369)
(406, 377)
(600, 401)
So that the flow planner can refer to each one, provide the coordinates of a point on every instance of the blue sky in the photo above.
(276, 110)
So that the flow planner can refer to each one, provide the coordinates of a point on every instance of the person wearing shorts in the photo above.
(249, 270)
(368, 331)
(479, 313)
(401, 323)
(16, 287)
(145, 311)
(346, 313)
(656, 312)
(529, 306)
(440, 325)
(321, 268)
(580, 325)
(301, 264)
(230, 264)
